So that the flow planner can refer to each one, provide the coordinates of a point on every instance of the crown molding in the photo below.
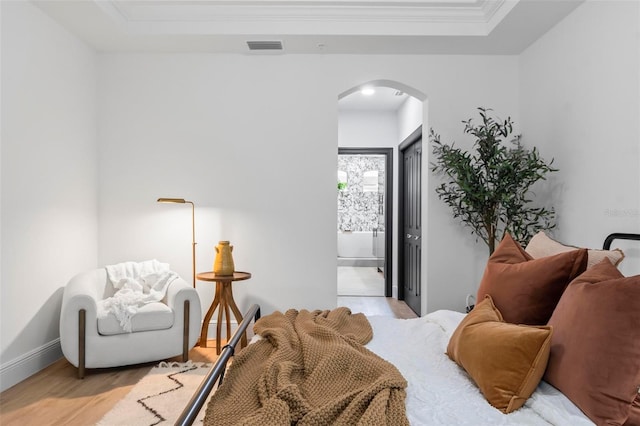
(310, 26)
(305, 17)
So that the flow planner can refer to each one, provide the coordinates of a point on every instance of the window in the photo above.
(370, 181)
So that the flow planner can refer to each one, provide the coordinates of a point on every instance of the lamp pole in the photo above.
(193, 229)
(193, 241)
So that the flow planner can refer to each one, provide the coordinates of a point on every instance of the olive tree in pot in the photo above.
(489, 189)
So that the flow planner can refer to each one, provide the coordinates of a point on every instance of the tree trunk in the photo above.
(491, 232)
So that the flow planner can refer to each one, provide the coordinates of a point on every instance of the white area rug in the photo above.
(360, 281)
(160, 397)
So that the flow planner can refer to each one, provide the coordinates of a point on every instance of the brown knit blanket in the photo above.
(310, 369)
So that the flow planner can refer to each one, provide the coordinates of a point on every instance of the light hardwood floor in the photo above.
(54, 396)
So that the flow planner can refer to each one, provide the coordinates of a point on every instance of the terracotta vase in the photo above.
(223, 263)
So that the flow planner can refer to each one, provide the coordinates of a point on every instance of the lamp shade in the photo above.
(172, 200)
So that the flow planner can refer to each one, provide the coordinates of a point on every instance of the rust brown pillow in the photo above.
(634, 411)
(505, 360)
(595, 349)
(526, 290)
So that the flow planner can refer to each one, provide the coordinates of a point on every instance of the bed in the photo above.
(455, 364)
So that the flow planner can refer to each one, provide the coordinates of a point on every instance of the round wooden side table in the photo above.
(223, 300)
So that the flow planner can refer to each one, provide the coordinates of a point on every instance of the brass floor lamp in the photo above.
(193, 229)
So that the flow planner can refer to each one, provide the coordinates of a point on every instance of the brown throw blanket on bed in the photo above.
(310, 369)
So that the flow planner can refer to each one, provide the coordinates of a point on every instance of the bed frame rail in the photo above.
(194, 406)
(619, 236)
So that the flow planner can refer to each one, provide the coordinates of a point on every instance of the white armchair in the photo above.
(160, 330)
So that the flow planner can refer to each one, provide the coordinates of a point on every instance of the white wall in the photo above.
(252, 140)
(453, 260)
(580, 103)
(410, 115)
(361, 129)
(241, 137)
(49, 182)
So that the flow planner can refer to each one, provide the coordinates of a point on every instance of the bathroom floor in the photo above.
(378, 306)
(360, 281)
(361, 289)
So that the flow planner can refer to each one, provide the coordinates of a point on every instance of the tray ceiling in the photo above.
(310, 26)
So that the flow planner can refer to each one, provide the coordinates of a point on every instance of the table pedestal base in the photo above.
(223, 300)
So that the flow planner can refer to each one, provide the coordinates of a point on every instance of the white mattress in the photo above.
(441, 393)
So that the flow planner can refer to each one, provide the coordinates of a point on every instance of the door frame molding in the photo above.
(388, 205)
(409, 140)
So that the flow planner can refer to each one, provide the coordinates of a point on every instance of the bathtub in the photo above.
(356, 248)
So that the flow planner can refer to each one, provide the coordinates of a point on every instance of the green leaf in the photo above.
(489, 188)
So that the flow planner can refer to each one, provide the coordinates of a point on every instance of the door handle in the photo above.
(409, 235)
(417, 237)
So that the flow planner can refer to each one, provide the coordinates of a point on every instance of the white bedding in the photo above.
(440, 392)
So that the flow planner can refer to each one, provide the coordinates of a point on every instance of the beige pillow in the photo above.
(505, 360)
(541, 245)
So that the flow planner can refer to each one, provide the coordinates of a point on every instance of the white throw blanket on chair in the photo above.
(136, 285)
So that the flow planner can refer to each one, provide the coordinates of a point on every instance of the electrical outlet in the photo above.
(469, 302)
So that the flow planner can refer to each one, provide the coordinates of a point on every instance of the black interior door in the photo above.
(412, 226)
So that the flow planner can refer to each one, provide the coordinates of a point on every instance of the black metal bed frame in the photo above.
(619, 236)
(216, 373)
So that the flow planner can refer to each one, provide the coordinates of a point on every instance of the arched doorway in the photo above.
(364, 126)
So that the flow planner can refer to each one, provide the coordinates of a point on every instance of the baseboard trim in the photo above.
(358, 261)
(18, 369)
(211, 332)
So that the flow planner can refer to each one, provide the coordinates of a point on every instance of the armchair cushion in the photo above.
(153, 316)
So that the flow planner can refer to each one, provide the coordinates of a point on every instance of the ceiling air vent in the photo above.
(265, 45)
